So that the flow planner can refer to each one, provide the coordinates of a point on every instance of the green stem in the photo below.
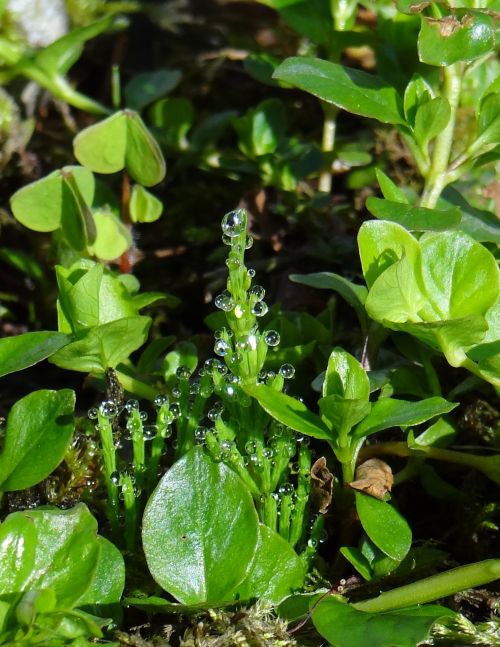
(109, 467)
(328, 143)
(135, 386)
(434, 587)
(437, 178)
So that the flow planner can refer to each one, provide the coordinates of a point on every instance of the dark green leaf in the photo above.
(173, 118)
(22, 351)
(489, 120)
(289, 411)
(479, 224)
(200, 530)
(414, 218)
(310, 18)
(261, 129)
(145, 88)
(444, 41)
(430, 119)
(353, 90)
(342, 414)
(387, 413)
(355, 557)
(384, 526)
(344, 626)
(38, 431)
(390, 190)
(417, 92)
(261, 67)
(346, 377)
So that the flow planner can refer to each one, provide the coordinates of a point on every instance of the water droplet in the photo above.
(130, 405)
(255, 461)
(143, 416)
(200, 433)
(175, 410)
(257, 292)
(92, 413)
(272, 337)
(250, 447)
(108, 409)
(251, 273)
(234, 223)
(221, 347)
(176, 392)
(248, 242)
(115, 478)
(235, 359)
(183, 373)
(226, 447)
(249, 342)
(323, 538)
(260, 309)
(224, 301)
(268, 452)
(149, 432)
(226, 239)
(285, 488)
(160, 400)
(312, 542)
(287, 371)
(233, 263)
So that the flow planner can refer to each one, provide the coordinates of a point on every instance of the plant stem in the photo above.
(437, 177)
(132, 385)
(434, 587)
(109, 467)
(328, 143)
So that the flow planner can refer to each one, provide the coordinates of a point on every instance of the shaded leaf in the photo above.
(145, 88)
(22, 351)
(414, 218)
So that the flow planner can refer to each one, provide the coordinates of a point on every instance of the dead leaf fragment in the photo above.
(374, 477)
(322, 483)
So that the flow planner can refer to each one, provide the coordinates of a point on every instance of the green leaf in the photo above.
(353, 90)
(145, 88)
(23, 263)
(444, 41)
(417, 92)
(488, 126)
(479, 224)
(345, 377)
(384, 526)
(109, 577)
(344, 626)
(310, 18)
(276, 570)
(119, 142)
(112, 237)
(104, 346)
(261, 66)
(173, 118)
(390, 190)
(355, 557)
(144, 206)
(38, 431)
(430, 119)
(289, 411)
(43, 204)
(341, 413)
(460, 275)
(414, 218)
(261, 129)
(49, 549)
(22, 351)
(79, 296)
(388, 412)
(200, 530)
(381, 244)
(355, 295)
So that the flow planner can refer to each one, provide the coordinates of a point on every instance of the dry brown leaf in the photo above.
(322, 483)
(374, 477)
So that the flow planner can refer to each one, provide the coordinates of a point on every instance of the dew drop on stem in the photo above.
(234, 223)
(272, 338)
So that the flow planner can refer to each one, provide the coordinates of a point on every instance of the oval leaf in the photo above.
(38, 431)
(200, 530)
(353, 90)
(22, 351)
(384, 526)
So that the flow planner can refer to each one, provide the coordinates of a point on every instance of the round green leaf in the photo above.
(276, 570)
(113, 238)
(39, 429)
(144, 88)
(119, 142)
(144, 206)
(462, 37)
(109, 578)
(384, 526)
(200, 530)
(41, 205)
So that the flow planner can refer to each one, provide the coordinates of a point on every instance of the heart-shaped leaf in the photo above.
(119, 142)
(112, 237)
(144, 206)
(200, 530)
(44, 204)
